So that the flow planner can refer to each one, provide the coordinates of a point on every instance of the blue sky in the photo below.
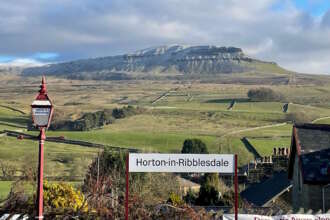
(289, 32)
(39, 56)
(314, 7)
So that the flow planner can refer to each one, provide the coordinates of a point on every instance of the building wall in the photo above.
(307, 196)
(313, 196)
(297, 200)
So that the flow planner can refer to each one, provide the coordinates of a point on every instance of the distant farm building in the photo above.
(186, 185)
(309, 167)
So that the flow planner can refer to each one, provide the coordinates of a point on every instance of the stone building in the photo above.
(265, 167)
(309, 167)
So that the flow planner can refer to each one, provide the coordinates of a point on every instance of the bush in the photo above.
(190, 197)
(208, 195)
(175, 199)
(209, 191)
(93, 120)
(194, 146)
(265, 95)
(62, 196)
(228, 199)
(105, 179)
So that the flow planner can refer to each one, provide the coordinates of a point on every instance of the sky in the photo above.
(293, 33)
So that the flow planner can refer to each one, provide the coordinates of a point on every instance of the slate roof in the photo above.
(311, 142)
(260, 194)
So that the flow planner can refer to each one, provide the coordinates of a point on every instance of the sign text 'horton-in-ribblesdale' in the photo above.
(182, 163)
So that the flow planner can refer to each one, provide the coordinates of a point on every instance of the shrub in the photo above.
(91, 120)
(175, 199)
(264, 94)
(190, 197)
(209, 192)
(63, 196)
(194, 146)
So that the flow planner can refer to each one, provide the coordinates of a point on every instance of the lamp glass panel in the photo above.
(41, 116)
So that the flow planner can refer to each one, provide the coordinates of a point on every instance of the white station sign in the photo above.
(181, 163)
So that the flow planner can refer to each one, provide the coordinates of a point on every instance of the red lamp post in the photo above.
(42, 110)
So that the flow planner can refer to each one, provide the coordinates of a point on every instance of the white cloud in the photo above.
(22, 62)
(91, 28)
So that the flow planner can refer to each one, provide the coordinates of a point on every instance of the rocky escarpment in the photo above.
(168, 59)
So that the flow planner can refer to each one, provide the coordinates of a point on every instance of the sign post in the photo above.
(181, 163)
(127, 187)
(236, 189)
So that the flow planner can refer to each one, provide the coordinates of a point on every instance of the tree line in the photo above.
(91, 120)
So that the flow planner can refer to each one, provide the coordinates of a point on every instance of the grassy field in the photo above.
(61, 160)
(190, 109)
(4, 189)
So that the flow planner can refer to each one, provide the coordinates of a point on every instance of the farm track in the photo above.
(318, 119)
(254, 128)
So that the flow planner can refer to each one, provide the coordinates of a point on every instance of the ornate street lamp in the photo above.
(42, 110)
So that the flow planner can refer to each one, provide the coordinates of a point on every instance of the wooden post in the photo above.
(236, 189)
(127, 186)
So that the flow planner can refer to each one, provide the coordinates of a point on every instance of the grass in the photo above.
(191, 110)
(265, 146)
(147, 141)
(60, 159)
(323, 121)
(4, 189)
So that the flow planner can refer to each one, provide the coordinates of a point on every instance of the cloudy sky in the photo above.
(293, 33)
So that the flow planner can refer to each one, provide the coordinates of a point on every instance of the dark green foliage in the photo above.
(194, 146)
(109, 161)
(93, 120)
(86, 122)
(190, 197)
(118, 113)
(264, 95)
(228, 199)
(208, 193)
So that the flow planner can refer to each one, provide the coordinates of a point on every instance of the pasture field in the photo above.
(61, 160)
(174, 111)
(4, 189)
